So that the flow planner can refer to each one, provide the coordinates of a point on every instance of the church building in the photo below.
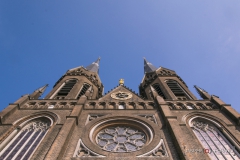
(77, 121)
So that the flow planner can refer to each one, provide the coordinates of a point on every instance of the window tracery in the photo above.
(213, 140)
(120, 139)
(23, 145)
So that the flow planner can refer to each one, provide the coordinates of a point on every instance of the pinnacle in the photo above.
(148, 67)
(94, 67)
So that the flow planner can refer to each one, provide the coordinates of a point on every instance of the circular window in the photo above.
(121, 135)
(120, 139)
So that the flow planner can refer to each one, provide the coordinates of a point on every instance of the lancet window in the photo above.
(159, 91)
(85, 87)
(66, 88)
(177, 90)
(213, 140)
(27, 139)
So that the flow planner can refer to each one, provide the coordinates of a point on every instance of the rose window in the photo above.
(120, 139)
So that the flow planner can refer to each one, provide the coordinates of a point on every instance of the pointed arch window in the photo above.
(27, 139)
(85, 87)
(66, 88)
(158, 89)
(213, 140)
(177, 90)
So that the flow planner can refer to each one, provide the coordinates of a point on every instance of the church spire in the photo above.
(94, 67)
(38, 92)
(204, 94)
(148, 67)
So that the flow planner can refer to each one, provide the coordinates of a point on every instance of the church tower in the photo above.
(76, 121)
(76, 82)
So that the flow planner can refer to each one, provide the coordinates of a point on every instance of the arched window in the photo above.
(213, 140)
(190, 106)
(121, 106)
(23, 145)
(83, 90)
(177, 90)
(66, 88)
(159, 91)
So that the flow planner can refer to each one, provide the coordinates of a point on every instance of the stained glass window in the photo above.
(213, 141)
(23, 145)
(121, 139)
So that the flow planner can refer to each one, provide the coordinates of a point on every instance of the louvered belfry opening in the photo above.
(159, 91)
(83, 90)
(177, 90)
(63, 92)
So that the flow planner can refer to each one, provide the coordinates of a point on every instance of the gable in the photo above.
(121, 93)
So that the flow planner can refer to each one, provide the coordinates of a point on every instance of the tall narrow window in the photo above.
(23, 145)
(177, 90)
(159, 91)
(83, 90)
(63, 92)
(213, 141)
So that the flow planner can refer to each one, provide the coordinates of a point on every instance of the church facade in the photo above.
(76, 121)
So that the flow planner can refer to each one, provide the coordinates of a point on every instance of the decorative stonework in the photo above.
(191, 105)
(49, 105)
(92, 117)
(213, 139)
(82, 151)
(202, 125)
(150, 117)
(120, 139)
(158, 151)
(26, 140)
(37, 126)
(121, 95)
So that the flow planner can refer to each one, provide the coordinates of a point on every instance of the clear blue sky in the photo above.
(41, 40)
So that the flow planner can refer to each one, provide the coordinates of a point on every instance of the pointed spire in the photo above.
(94, 67)
(204, 94)
(38, 92)
(43, 88)
(148, 67)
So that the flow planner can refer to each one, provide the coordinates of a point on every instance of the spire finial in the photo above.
(43, 88)
(94, 67)
(38, 92)
(204, 94)
(121, 82)
(148, 67)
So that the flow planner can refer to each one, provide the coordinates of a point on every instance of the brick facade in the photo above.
(75, 123)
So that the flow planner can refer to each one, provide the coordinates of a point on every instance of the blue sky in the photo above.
(41, 40)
